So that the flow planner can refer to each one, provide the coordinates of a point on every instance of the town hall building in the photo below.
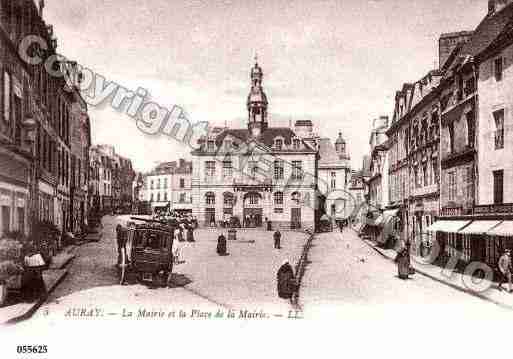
(258, 172)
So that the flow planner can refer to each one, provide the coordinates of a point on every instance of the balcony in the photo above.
(425, 191)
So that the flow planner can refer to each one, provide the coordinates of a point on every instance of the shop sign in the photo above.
(494, 209)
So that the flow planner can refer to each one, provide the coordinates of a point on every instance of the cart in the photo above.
(147, 252)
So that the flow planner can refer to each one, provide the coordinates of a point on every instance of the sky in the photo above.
(336, 62)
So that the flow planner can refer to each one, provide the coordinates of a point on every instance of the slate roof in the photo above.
(488, 30)
(267, 137)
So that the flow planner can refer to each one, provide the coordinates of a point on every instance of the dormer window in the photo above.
(278, 144)
(211, 146)
(296, 143)
(227, 144)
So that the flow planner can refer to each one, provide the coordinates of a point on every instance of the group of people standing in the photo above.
(251, 221)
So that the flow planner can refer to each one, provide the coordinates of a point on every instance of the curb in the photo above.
(39, 302)
(451, 285)
(65, 263)
(300, 270)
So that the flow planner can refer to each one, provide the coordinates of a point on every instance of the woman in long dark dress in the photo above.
(286, 281)
(403, 262)
(221, 245)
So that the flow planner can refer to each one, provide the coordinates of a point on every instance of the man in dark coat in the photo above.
(121, 238)
(221, 245)
(286, 281)
(277, 239)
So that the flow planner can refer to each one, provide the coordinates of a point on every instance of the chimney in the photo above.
(380, 123)
(449, 41)
(41, 8)
(497, 5)
(303, 128)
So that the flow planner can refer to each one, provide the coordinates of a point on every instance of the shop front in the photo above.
(477, 237)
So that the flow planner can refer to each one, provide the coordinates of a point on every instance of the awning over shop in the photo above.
(385, 217)
(447, 226)
(504, 229)
(379, 221)
(479, 227)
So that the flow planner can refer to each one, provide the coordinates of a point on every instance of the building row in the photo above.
(440, 168)
(168, 185)
(112, 181)
(45, 131)
(288, 175)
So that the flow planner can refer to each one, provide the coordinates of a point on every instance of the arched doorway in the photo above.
(252, 214)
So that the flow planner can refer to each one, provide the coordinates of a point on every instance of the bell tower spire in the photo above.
(257, 102)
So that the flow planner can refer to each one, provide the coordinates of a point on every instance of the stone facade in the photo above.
(457, 143)
(48, 153)
(114, 176)
(169, 184)
(495, 141)
(257, 172)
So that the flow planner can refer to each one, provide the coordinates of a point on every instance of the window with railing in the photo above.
(278, 170)
(499, 129)
(228, 199)
(210, 198)
(210, 170)
(297, 170)
(227, 169)
(278, 198)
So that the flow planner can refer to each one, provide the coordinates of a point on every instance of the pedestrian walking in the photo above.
(178, 234)
(277, 239)
(221, 245)
(121, 239)
(403, 262)
(286, 281)
(505, 269)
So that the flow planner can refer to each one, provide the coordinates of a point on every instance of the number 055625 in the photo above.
(32, 349)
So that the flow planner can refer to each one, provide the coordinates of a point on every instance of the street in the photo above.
(243, 280)
(345, 275)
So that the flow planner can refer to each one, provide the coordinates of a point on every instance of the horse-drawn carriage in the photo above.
(146, 252)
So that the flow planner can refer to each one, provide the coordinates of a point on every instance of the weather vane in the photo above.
(256, 57)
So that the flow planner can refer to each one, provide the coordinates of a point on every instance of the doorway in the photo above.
(295, 218)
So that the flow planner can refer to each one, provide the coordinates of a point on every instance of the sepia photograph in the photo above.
(198, 174)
